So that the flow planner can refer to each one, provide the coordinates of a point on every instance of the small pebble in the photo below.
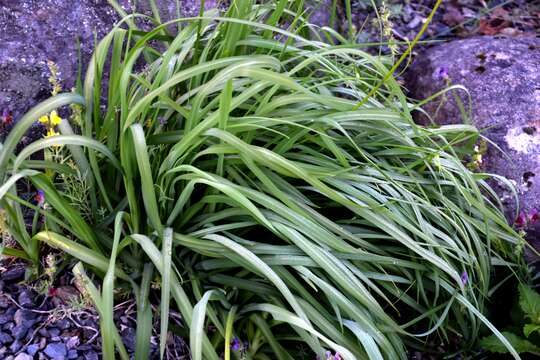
(56, 350)
(72, 354)
(42, 343)
(23, 356)
(128, 337)
(91, 355)
(15, 346)
(13, 274)
(32, 349)
(4, 302)
(53, 332)
(63, 324)
(72, 342)
(5, 338)
(25, 298)
(24, 316)
(5, 318)
(19, 331)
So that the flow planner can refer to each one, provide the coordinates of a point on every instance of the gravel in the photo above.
(23, 356)
(56, 350)
(48, 327)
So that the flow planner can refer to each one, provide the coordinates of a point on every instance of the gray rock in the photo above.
(16, 346)
(56, 350)
(23, 316)
(72, 354)
(23, 356)
(72, 342)
(17, 272)
(20, 331)
(5, 338)
(32, 349)
(4, 302)
(5, 318)
(129, 338)
(503, 78)
(319, 11)
(53, 332)
(90, 355)
(26, 298)
(33, 32)
(168, 10)
(62, 324)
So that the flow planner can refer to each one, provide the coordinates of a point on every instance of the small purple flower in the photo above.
(337, 357)
(162, 121)
(521, 220)
(441, 73)
(40, 197)
(464, 278)
(534, 216)
(235, 344)
(328, 355)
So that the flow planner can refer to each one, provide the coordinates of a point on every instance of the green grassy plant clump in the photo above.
(236, 170)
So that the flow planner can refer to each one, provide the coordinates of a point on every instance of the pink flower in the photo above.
(534, 216)
(521, 220)
(40, 197)
(7, 117)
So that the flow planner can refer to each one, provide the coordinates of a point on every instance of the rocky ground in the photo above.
(54, 321)
(41, 326)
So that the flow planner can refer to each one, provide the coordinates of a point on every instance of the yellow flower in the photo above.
(55, 119)
(44, 119)
(51, 132)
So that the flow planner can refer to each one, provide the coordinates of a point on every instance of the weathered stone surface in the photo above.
(35, 31)
(320, 12)
(503, 78)
(32, 32)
